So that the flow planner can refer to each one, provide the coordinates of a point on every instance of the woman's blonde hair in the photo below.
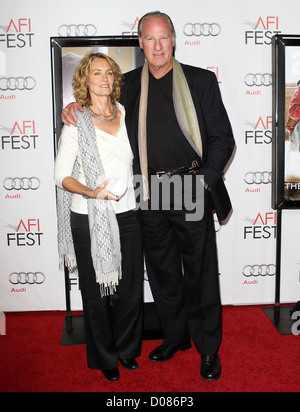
(81, 75)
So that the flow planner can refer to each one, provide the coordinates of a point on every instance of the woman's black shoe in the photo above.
(129, 364)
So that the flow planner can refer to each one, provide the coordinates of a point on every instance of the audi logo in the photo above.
(258, 178)
(202, 29)
(77, 30)
(258, 79)
(29, 278)
(17, 83)
(259, 270)
(21, 183)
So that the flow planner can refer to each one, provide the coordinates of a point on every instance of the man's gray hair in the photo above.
(152, 15)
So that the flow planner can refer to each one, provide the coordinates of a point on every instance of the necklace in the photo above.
(105, 118)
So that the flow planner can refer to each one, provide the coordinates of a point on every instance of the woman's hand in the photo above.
(73, 186)
(101, 192)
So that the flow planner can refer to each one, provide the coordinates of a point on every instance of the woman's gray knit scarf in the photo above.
(185, 113)
(104, 229)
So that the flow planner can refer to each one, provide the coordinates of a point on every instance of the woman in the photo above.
(104, 231)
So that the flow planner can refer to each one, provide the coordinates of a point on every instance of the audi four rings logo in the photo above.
(17, 83)
(29, 278)
(258, 79)
(259, 270)
(258, 178)
(202, 29)
(21, 183)
(77, 30)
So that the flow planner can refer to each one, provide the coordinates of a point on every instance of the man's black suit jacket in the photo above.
(215, 128)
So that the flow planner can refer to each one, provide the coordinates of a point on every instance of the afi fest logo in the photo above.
(17, 34)
(27, 233)
(259, 133)
(21, 136)
(262, 31)
(216, 70)
(133, 27)
(264, 226)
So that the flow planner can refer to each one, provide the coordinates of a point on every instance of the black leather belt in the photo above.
(192, 168)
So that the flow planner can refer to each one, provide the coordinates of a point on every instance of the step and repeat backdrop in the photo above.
(232, 39)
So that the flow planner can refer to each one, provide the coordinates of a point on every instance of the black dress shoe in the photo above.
(164, 353)
(112, 375)
(210, 367)
(130, 364)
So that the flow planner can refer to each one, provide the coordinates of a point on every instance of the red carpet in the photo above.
(255, 358)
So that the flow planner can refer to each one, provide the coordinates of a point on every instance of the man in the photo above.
(178, 126)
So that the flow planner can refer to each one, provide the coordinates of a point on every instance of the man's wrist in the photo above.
(207, 187)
